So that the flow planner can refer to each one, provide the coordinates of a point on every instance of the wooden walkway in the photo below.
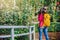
(37, 37)
(52, 36)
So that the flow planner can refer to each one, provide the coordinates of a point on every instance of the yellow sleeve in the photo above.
(46, 16)
(47, 20)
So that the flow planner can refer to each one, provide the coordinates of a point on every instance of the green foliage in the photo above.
(23, 13)
(58, 27)
(47, 2)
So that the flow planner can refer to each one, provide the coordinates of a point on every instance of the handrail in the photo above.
(14, 35)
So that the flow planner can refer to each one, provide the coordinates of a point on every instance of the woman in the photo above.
(44, 22)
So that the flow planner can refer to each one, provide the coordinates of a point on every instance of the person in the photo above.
(44, 23)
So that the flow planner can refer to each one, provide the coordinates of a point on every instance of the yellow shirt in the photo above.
(46, 19)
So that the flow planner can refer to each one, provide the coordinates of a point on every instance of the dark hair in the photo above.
(41, 11)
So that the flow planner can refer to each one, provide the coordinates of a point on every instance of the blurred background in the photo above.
(24, 12)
